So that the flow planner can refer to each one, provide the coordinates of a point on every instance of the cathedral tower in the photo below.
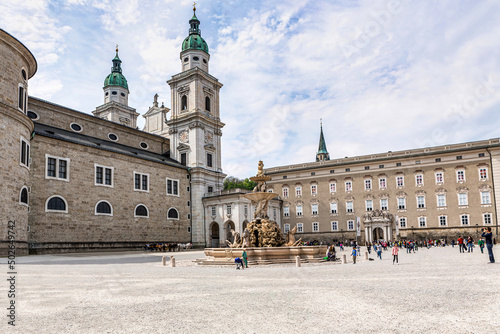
(195, 127)
(322, 154)
(115, 107)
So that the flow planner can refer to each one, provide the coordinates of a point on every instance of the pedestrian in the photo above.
(245, 257)
(452, 243)
(470, 244)
(379, 251)
(480, 243)
(354, 254)
(395, 251)
(239, 263)
(460, 242)
(369, 247)
(488, 239)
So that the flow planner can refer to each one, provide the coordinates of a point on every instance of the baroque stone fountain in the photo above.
(262, 238)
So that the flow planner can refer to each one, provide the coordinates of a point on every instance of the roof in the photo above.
(80, 139)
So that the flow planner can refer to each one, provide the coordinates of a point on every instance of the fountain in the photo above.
(263, 239)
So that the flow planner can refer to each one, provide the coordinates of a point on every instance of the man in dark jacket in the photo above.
(488, 240)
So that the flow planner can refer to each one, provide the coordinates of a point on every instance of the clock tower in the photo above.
(195, 127)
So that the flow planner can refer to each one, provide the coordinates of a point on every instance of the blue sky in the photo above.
(383, 75)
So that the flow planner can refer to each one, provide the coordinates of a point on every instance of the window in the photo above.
(33, 115)
(335, 226)
(464, 219)
(333, 187)
(286, 228)
(23, 73)
(314, 209)
(483, 174)
(462, 199)
(299, 210)
(76, 127)
(284, 176)
(350, 224)
(485, 197)
(419, 180)
(210, 189)
(103, 176)
(422, 222)
(300, 228)
(460, 175)
(21, 99)
(173, 187)
(228, 209)
(173, 213)
(437, 160)
(213, 211)
(439, 177)
(274, 214)
(384, 204)
(418, 162)
(141, 211)
(184, 102)
(441, 200)
(314, 189)
(347, 169)
(368, 184)
(487, 219)
(141, 182)
(333, 208)
(183, 159)
(103, 208)
(442, 221)
(209, 160)
(313, 173)
(298, 191)
(380, 166)
(400, 181)
(285, 192)
(402, 222)
(332, 171)
(144, 145)
(348, 186)
(286, 211)
(207, 103)
(112, 136)
(23, 196)
(315, 227)
(56, 204)
(349, 206)
(367, 167)
(420, 202)
(398, 164)
(25, 153)
(480, 155)
(245, 210)
(459, 157)
(369, 205)
(401, 203)
(382, 183)
(57, 168)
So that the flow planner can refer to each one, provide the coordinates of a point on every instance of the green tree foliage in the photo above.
(232, 182)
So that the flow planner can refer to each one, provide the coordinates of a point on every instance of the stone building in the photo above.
(435, 192)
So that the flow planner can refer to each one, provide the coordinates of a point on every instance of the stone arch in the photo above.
(214, 235)
(228, 226)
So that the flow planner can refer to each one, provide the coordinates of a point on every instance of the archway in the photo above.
(378, 234)
(245, 224)
(228, 227)
(214, 235)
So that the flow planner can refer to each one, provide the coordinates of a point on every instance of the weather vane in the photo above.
(194, 6)
(116, 47)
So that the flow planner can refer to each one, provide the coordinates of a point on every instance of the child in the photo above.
(395, 251)
(354, 254)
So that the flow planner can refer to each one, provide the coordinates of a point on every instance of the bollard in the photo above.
(172, 261)
(366, 255)
(344, 259)
(164, 260)
(297, 261)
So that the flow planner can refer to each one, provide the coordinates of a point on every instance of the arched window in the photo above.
(103, 208)
(23, 196)
(207, 103)
(173, 213)
(56, 204)
(184, 102)
(141, 211)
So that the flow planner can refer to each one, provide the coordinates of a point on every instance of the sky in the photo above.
(382, 75)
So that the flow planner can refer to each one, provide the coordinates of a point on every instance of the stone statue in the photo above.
(236, 238)
(290, 238)
(245, 239)
(155, 103)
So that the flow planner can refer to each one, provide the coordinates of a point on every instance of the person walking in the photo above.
(488, 239)
(480, 243)
(460, 242)
(354, 254)
(470, 244)
(395, 252)
(379, 251)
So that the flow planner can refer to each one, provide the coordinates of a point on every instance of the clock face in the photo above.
(208, 137)
(184, 136)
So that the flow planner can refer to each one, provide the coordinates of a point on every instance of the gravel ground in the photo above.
(432, 291)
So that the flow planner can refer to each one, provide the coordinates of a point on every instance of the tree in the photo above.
(232, 182)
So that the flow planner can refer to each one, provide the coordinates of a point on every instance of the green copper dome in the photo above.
(116, 78)
(194, 41)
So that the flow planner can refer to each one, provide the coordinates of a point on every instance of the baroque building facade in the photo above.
(436, 192)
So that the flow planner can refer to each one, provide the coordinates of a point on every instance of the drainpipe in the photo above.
(494, 196)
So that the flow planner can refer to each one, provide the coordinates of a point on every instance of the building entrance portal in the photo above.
(378, 234)
(214, 235)
(378, 226)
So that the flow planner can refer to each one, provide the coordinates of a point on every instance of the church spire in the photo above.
(322, 154)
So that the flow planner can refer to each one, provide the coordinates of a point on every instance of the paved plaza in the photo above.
(432, 291)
